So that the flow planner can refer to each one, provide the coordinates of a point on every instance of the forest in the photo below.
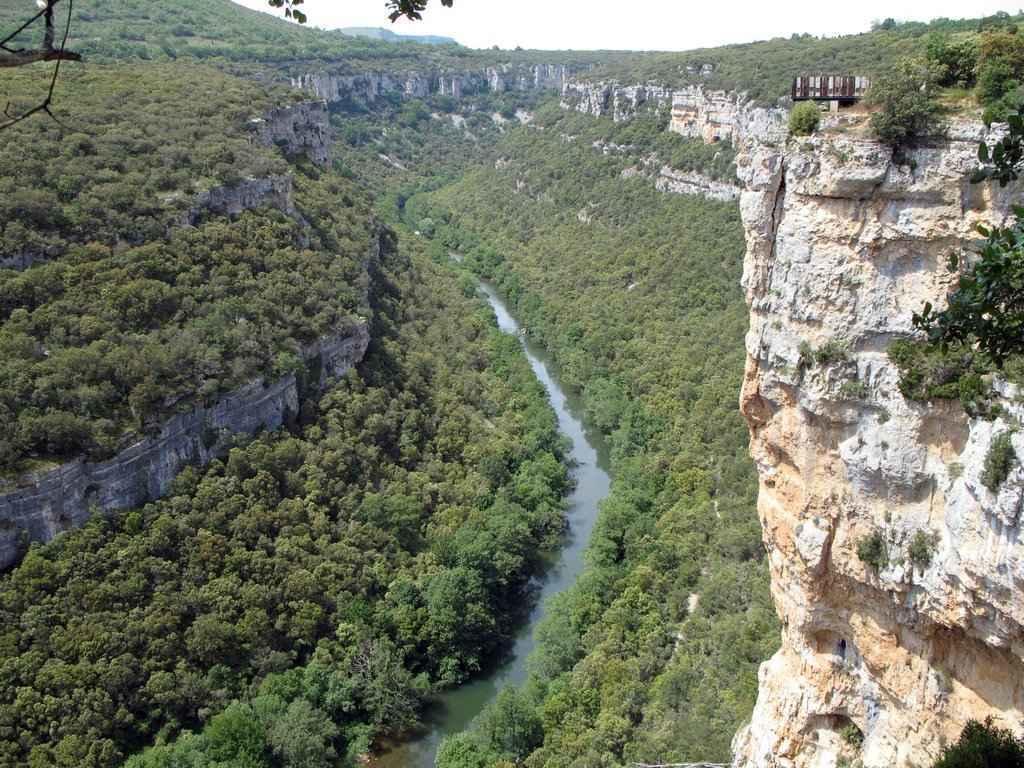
(307, 596)
(129, 316)
(287, 605)
(765, 69)
(653, 655)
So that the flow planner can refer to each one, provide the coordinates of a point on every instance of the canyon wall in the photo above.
(844, 243)
(65, 497)
(694, 111)
(296, 129)
(368, 87)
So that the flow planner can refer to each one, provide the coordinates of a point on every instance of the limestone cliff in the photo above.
(844, 243)
(366, 88)
(298, 129)
(694, 111)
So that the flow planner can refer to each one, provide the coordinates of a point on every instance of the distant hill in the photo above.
(379, 33)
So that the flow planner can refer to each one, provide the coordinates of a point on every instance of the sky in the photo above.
(668, 25)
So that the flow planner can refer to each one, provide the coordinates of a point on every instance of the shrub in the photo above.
(804, 119)
(929, 372)
(852, 735)
(1000, 66)
(999, 461)
(872, 551)
(956, 60)
(982, 745)
(987, 307)
(828, 353)
(906, 102)
(921, 549)
(832, 352)
(853, 389)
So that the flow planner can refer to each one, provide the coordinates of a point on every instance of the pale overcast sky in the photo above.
(636, 24)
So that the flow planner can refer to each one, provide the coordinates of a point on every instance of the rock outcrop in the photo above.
(249, 194)
(844, 243)
(45, 504)
(693, 183)
(298, 129)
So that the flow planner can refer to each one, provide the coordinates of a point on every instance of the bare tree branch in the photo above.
(49, 54)
(21, 58)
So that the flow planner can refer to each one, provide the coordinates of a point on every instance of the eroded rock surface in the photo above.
(844, 243)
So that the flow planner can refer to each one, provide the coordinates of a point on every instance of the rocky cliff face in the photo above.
(298, 129)
(368, 87)
(46, 504)
(844, 243)
(695, 112)
(249, 194)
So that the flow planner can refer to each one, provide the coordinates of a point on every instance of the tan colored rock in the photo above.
(844, 243)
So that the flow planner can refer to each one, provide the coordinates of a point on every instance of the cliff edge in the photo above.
(880, 663)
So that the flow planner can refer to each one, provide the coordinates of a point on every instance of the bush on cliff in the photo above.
(906, 103)
(804, 119)
(872, 551)
(982, 745)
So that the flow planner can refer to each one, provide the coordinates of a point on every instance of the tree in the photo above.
(987, 307)
(906, 101)
(18, 57)
(410, 9)
(804, 118)
(982, 745)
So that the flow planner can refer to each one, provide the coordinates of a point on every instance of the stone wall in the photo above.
(844, 243)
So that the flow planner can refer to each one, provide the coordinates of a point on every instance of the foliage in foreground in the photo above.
(983, 745)
(324, 581)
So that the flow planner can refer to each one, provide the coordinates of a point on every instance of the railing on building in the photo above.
(842, 88)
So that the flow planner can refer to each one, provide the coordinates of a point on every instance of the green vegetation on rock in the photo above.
(999, 461)
(983, 745)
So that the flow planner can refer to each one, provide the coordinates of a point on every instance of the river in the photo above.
(456, 708)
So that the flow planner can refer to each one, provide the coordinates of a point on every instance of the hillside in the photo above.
(379, 33)
(220, 30)
(765, 69)
(276, 492)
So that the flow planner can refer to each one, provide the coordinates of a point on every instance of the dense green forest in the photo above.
(325, 580)
(131, 315)
(653, 655)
